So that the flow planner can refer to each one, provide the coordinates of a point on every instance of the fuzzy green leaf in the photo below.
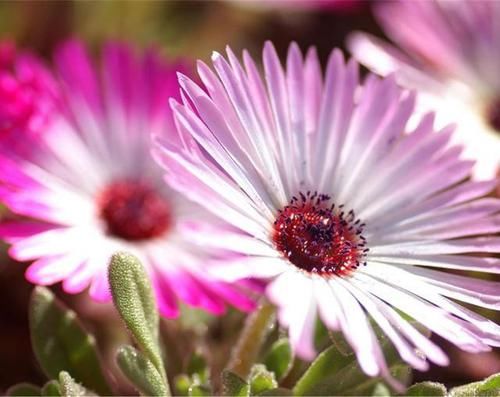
(261, 380)
(426, 389)
(51, 389)
(141, 372)
(60, 342)
(133, 298)
(491, 383)
(490, 387)
(279, 359)
(23, 389)
(70, 388)
(233, 385)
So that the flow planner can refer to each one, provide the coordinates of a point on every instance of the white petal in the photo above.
(406, 351)
(248, 267)
(435, 319)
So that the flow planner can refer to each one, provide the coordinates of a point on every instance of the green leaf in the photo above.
(70, 388)
(399, 371)
(327, 364)
(194, 319)
(257, 326)
(197, 390)
(381, 390)
(182, 383)
(335, 373)
(339, 341)
(61, 343)
(133, 298)
(233, 385)
(198, 366)
(280, 391)
(321, 335)
(490, 387)
(23, 389)
(426, 389)
(261, 380)
(279, 359)
(141, 372)
(51, 389)
(491, 383)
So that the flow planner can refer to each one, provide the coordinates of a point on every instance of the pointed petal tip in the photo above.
(269, 48)
(229, 50)
(174, 104)
(181, 77)
(312, 52)
(294, 46)
(215, 56)
(201, 66)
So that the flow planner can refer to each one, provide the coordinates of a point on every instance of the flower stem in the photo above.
(257, 325)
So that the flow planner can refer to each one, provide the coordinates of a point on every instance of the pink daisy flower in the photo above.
(344, 209)
(92, 188)
(449, 53)
(27, 95)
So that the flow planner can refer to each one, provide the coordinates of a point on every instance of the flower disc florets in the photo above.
(133, 211)
(319, 237)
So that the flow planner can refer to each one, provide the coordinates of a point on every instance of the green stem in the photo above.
(257, 326)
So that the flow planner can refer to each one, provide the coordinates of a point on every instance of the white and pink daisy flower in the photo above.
(92, 188)
(345, 210)
(450, 53)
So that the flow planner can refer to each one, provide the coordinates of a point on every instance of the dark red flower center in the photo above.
(318, 237)
(133, 211)
(493, 115)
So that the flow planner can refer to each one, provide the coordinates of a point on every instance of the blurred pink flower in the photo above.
(7, 53)
(338, 203)
(27, 98)
(333, 5)
(93, 189)
(451, 54)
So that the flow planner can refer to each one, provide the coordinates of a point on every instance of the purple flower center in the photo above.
(319, 238)
(133, 211)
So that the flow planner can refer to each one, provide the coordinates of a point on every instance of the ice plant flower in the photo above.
(93, 188)
(348, 213)
(27, 98)
(450, 52)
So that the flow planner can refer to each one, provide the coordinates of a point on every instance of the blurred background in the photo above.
(187, 29)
